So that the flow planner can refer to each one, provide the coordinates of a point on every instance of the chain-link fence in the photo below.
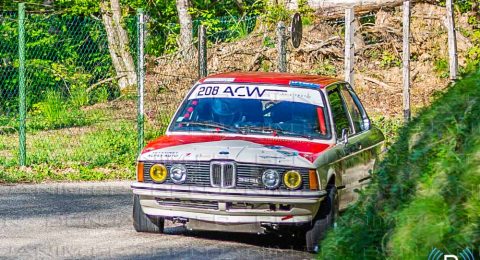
(78, 124)
(8, 88)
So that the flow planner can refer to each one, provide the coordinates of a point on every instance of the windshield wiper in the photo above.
(247, 129)
(212, 125)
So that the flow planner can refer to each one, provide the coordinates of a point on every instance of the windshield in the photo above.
(254, 109)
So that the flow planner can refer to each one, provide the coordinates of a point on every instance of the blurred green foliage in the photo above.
(424, 193)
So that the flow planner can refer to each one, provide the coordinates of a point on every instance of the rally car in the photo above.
(259, 153)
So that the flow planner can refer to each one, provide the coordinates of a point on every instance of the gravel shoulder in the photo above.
(93, 220)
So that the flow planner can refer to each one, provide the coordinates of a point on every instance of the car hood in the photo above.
(270, 150)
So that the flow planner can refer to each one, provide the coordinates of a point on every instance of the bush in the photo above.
(425, 192)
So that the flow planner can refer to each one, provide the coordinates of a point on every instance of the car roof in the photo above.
(271, 78)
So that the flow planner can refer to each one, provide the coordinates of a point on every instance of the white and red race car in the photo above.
(258, 152)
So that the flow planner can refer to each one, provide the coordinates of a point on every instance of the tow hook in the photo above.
(179, 220)
(270, 226)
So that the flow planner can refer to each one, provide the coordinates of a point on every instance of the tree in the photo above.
(186, 35)
(118, 44)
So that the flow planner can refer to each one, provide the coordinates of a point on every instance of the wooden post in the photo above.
(452, 41)
(202, 52)
(349, 45)
(406, 60)
(281, 48)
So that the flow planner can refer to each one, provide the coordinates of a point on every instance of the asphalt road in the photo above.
(93, 220)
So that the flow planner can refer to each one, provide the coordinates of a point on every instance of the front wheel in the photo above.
(143, 222)
(322, 221)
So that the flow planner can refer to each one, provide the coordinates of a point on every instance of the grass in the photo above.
(103, 149)
(425, 192)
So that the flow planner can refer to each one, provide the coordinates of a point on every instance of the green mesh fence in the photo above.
(8, 88)
(78, 124)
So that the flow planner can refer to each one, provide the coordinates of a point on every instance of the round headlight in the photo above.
(292, 180)
(158, 173)
(271, 179)
(178, 173)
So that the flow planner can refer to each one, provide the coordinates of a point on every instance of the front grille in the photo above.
(241, 175)
(216, 175)
(199, 204)
(222, 174)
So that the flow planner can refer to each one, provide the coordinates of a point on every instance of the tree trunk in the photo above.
(186, 37)
(118, 44)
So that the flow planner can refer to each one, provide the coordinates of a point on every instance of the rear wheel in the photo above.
(322, 221)
(143, 222)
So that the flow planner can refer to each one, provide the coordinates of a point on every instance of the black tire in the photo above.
(143, 222)
(323, 221)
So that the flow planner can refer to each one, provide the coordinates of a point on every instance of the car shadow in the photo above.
(268, 241)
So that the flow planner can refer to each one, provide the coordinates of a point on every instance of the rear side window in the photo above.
(354, 110)
(339, 112)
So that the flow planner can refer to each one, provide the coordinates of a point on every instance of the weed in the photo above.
(326, 68)
(441, 68)
(389, 60)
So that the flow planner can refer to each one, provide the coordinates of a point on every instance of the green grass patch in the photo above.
(425, 192)
(106, 150)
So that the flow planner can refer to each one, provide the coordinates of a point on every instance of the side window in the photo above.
(354, 110)
(339, 112)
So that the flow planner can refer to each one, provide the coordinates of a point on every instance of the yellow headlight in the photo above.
(158, 173)
(292, 179)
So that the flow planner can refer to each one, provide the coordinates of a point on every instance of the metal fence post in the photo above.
(281, 48)
(452, 41)
(140, 77)
(21, 84)
(406, 60)
(349, 45)
(202, 51)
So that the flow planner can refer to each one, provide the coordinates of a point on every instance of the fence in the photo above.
(59, 108)
(76, 120)
(61, 113)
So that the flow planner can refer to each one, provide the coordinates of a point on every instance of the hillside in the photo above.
(425, 193)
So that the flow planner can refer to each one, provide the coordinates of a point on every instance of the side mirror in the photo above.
(366, 124)
(345, 136)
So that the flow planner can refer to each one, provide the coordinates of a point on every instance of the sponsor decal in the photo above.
(163, 155)
(264, 92)
(288, 153)
(270, 157)
(283, 150)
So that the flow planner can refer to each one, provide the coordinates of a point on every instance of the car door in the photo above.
(358, 147)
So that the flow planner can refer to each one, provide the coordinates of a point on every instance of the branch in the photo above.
(92, 87)
(378, 82)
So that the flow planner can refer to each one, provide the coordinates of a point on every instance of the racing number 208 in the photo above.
(207, 91)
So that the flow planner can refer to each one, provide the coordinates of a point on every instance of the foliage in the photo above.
(64, 54)
(425, 192)
(54, 113)
(276, 13)
(441, 67)
(389, 60)
(326, 68)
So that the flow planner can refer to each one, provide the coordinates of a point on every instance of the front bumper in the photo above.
(228, 208)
